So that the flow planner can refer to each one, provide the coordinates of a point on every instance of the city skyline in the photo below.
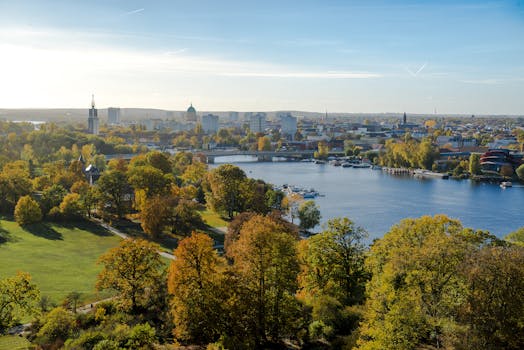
(357, 57)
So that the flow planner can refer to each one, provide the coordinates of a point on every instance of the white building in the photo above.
(113, 115)
(257, 122)
(288, 125)
(210, 123)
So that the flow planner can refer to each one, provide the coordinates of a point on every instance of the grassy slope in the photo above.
(60, 258)
(10, 342)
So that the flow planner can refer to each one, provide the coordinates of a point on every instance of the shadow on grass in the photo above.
(85, 226)
(5, 236)
(43, 230)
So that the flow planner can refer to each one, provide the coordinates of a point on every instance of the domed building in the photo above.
(191, 115)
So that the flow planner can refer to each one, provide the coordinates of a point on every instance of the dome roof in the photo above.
(191, 109)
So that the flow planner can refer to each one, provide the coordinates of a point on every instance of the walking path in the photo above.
(125, 236)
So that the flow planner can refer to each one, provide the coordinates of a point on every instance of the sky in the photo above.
(454, 57)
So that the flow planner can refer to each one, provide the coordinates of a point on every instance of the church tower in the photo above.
(92, 121)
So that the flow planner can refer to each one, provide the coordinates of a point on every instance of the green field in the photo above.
(13, 342)
(61, 258)
(213, 219)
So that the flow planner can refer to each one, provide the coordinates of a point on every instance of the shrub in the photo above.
(27, 211)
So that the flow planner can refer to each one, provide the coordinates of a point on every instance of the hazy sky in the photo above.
(346, 56)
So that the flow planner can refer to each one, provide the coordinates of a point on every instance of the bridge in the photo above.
(264, 156)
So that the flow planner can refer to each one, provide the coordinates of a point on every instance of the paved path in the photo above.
(125, 236)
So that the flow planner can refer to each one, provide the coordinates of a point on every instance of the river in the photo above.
(375, 200)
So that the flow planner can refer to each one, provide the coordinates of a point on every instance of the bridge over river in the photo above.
(264, 156)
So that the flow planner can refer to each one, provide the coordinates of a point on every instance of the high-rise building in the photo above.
(257, 122)
(210, 123)
(191, 115)
(92, 120)
(113, 115)
(288, 125)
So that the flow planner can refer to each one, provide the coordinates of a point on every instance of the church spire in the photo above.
(93, 101)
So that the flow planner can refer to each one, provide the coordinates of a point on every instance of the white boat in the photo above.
(506, 184)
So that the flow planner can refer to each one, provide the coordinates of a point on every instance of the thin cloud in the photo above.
(318, 75)
(132, 12)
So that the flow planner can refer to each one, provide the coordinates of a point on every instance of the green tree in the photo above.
(493, 309)
(416, 289)
(112, 190)
(194, 283)
(150, 179)
(225, 184)
(57, 324)
(265, 259)
(27, 211)
(322, 151)
(134, 269)
(333, 263)
(520, 172)
(52, 197)
(516, 237)
(309, 215)
(18, 296)
(14, 183)
(474, 164)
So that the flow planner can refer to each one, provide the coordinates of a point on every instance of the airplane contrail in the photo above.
(133, 11)
(415, 74)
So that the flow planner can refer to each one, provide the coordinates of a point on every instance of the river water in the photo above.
(375, 200)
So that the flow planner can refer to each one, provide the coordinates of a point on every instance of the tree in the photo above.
(27, 211)
(194, 283)
(113, 188)
(474, 164)
(506, 170)
(520, 172)
(322, 151)
(309, 215)
(265, 259)
(134, 270)
(416, 288)
(333, 263)
(160, 161)
(185, 217)
(225, 184)
(52, 197)
(71, 300)
(155, 214)
(493, 309)
(18, 296)
(264, 143)
(516, 237)
(14, 183)
(71, 206)
(150, 179)
(57, 324)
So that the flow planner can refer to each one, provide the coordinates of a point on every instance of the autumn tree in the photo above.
(155, 214)
(415, 289)
(71, 206)
(265, 259)
(333, 262)
(14, 183)
(134, 270)
(18, 296)
(194, 283)
(309, 215)
(225, 185)
(264, 144)
(27, 211)
(323, 150)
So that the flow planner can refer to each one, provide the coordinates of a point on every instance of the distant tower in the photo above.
(191, 115)
(92, 121)
(404, 119)
(113, 115)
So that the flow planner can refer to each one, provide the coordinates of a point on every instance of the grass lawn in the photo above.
(13, 342)
(213, 219)
(61, 258)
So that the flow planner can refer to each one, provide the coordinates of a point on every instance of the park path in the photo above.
(125, 236)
